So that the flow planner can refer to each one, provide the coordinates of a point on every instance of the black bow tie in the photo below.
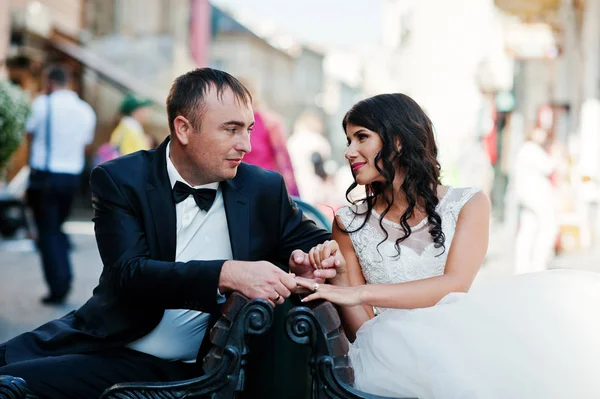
(204, 197)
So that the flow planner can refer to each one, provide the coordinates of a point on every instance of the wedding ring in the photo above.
(277, 298)
(316, 287)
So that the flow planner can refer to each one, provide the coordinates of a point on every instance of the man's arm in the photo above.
(132, 274)
(33, 122)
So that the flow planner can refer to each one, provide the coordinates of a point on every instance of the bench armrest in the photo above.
(319, 326)
(224, 364)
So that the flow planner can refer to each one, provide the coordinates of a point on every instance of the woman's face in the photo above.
(363, 147)
(539, 136)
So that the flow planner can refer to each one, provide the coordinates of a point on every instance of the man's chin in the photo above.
(230, 174)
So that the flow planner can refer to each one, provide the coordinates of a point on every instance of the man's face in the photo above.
(217, 148)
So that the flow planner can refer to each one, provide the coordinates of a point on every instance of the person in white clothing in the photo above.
(409, 252)
(536, 197)
(309, 149)
(60, 127)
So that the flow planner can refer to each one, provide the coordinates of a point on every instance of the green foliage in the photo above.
(14, 108)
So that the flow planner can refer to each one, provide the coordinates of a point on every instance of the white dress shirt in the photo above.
(72, 126)
(200, 236)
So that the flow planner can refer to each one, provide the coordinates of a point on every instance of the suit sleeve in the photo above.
(130, 272)
(297, 231)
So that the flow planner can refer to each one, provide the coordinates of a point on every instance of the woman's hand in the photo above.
(326, 256)
(344, 296)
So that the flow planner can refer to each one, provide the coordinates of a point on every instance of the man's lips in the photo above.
(357, 165)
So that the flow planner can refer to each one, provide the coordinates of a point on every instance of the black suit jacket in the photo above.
(135, 223)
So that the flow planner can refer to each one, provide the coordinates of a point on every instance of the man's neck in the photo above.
(179, 160)
(56, 89)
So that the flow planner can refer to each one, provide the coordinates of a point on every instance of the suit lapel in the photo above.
(238, 218)
(162, 205)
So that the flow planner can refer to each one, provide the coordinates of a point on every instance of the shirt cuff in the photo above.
(221, 299)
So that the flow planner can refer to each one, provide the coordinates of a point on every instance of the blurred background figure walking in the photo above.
(268, 141)
(538, 227)
(310, 150)
(60, 127)
(129, 135)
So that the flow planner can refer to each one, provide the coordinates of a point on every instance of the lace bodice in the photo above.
(418, 256)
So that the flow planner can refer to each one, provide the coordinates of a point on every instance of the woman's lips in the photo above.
(356, 166)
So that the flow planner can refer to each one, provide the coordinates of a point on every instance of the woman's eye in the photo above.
(362, 137)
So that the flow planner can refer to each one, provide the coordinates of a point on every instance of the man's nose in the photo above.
(243, 145)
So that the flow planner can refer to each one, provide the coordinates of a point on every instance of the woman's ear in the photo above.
(398, 145)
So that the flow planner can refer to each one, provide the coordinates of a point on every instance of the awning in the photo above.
(106, 70)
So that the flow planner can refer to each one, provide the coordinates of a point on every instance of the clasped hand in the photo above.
(264, 280)
(323, 257)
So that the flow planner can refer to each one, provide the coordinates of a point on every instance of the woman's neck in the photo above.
(399, 204)
(395, 195)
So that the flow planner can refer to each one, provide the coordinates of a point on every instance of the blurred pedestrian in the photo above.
(129, 134)
(310, 150)
(536, 197)
(59, 128)
(268, 142)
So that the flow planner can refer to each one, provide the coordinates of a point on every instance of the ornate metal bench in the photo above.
(319, 326)
(225, 364)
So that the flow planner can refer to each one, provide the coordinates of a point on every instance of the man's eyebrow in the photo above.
(234, 123)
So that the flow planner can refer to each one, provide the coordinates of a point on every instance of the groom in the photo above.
(178, 228)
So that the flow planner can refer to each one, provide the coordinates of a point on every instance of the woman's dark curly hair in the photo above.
(398, 118)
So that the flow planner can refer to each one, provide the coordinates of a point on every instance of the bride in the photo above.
(410, 251)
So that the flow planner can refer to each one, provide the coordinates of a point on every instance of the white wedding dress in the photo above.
(523, 337)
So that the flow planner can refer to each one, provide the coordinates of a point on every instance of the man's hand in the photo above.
(257, 280)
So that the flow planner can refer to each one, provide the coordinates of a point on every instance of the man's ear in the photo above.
(182, 129)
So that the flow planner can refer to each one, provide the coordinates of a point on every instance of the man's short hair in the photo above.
(186, 97)
(59, 75)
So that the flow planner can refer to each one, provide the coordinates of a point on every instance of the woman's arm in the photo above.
(352, 276)
(466, 254)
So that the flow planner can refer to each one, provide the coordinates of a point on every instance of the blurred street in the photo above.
(22, 285)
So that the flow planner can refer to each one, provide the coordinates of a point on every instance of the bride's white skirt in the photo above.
(525, 337)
